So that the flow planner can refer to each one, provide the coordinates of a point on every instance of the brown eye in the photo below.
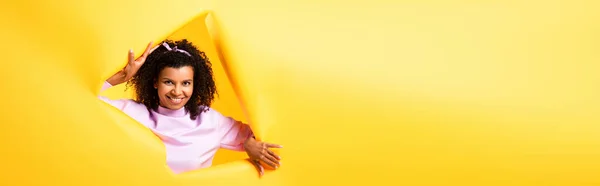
(187, 83)
(168, 82)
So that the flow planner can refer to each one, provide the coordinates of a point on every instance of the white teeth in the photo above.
(175, 100)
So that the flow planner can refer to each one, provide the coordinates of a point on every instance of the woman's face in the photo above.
(175, 86)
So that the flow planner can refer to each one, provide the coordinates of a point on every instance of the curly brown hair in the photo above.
(204, 85)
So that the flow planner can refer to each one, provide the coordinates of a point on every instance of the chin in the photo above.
(173, 107)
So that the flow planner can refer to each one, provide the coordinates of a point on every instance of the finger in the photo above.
(125, 70)
(273, 154)
(259, 167)
(270, 145)
(272, 158)
(148, 49)
(268, 161)
(155, 47)
(131, 56)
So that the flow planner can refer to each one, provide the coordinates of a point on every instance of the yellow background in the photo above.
(357, 92)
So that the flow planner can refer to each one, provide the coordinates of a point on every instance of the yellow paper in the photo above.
(357, 92)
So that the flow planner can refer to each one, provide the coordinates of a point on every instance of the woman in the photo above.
(174, 89)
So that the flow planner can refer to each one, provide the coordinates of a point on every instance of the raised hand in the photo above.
(133, 65)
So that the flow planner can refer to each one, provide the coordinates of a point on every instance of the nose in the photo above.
(176, 91)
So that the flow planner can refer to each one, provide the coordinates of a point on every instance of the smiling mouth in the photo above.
(175, 100)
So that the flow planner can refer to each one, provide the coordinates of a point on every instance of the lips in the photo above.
(175, 100)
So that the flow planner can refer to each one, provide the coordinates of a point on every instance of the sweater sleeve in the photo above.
(119, 104)
(234, 134)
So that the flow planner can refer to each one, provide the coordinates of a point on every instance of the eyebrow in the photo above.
(172, 80)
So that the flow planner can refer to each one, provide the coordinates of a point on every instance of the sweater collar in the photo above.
(173, 113)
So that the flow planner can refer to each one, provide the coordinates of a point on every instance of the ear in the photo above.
(155, 84)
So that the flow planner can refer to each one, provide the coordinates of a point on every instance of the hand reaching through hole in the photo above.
(259, 152)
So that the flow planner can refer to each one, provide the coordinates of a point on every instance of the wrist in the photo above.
(111, 82)
(115, 80)
(249, 140)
